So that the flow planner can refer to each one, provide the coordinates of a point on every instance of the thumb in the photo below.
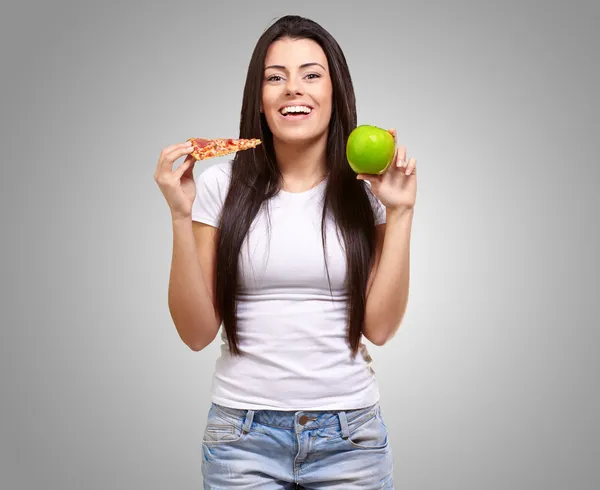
(394, 133)
(187, 168)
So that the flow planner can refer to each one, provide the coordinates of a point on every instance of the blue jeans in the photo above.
(276, 450)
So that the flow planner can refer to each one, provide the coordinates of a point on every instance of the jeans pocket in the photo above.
(370, 434)
(223, 427)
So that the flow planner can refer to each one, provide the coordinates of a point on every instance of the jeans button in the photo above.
(303, 419)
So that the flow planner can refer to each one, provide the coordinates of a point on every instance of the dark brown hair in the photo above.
(256, 178)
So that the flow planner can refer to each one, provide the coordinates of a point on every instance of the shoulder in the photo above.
(215, 180)
(219, 173)
(212, 186)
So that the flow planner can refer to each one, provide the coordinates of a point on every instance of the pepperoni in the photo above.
(200, 143)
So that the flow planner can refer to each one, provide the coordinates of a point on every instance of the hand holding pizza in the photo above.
(177, 186)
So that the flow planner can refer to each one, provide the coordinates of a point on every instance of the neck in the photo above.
(302, 165)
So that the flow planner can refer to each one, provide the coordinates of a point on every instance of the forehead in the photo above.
(294, 52)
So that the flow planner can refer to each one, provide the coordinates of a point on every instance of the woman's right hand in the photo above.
(177, 186)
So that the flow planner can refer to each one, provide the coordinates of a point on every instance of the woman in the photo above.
(298, 258)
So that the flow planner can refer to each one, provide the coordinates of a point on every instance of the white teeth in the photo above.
(296, 108)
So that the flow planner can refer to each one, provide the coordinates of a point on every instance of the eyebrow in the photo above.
(305, 65)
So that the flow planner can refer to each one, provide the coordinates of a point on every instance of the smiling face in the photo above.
(297, 90)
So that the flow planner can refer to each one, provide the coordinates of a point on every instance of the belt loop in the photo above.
(344, 425)
(248, 421)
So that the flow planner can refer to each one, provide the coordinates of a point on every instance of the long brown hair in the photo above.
(256, 178)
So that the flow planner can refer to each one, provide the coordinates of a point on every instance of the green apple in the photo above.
(370, 149)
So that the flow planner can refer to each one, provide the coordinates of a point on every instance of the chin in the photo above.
(299, 135)
(300, 130)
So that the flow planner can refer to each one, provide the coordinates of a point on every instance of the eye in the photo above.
(274, 78)
(312, 76)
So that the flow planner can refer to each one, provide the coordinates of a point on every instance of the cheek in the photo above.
(270, 111)
(268, 99)
(326, 95)
(327, 101)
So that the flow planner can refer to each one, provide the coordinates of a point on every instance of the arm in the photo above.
(387, 291)
(191, 283)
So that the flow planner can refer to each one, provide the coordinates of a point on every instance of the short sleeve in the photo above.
(212, 186)
(377, 206)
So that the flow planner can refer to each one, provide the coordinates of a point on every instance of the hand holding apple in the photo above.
(370, 153)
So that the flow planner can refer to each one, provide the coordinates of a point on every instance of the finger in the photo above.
(411, 166)
(186, 167)
(163, 159)
(165, 163)
(395, 159)
(170, 148)
(176, 152)
(401, 156)
(394, 133)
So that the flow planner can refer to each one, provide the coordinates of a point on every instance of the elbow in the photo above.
(380, 334)
(197, 337)
(195, 333)
(378, 339)
(197, 345)
(377, 336)
(202, 341)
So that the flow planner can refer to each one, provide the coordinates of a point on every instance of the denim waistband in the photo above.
(293, 419)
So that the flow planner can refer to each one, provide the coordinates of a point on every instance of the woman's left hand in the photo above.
(396, 188)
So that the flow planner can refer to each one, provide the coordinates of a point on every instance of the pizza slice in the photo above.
(218, 147)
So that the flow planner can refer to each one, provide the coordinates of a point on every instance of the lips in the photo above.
(295, 110)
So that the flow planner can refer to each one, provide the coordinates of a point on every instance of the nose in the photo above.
(293, 86)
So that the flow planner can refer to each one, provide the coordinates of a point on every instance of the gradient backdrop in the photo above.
(491, 382)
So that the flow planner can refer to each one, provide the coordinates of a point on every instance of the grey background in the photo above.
(492, 380)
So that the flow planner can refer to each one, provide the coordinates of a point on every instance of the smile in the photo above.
(296, 111)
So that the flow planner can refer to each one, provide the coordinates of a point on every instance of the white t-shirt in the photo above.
(292, 332)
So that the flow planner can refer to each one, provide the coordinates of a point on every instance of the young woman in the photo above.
(298, 258)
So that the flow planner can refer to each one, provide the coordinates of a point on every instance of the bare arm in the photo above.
(387, 291)
(191, 283)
